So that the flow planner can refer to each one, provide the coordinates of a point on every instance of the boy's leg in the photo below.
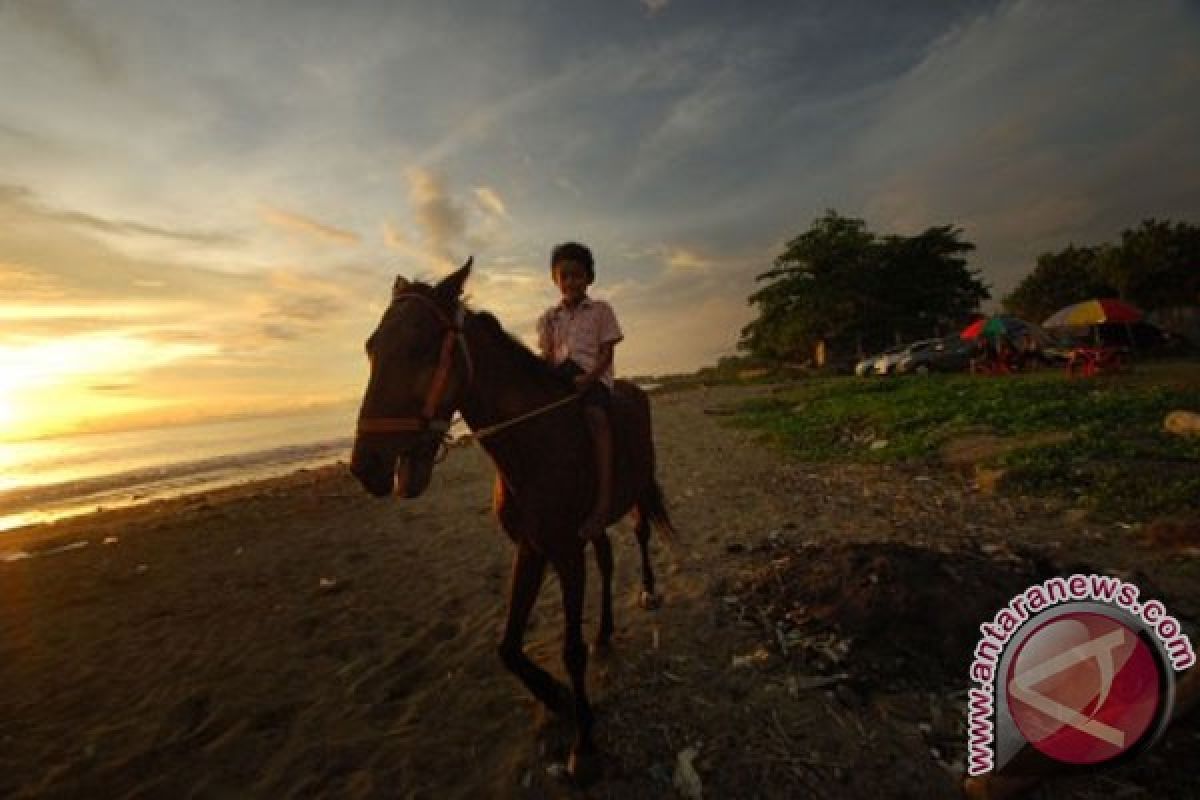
(598, 426)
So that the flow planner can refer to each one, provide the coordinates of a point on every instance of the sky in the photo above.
(203, 205)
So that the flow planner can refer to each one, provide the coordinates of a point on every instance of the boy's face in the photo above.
(571, 278)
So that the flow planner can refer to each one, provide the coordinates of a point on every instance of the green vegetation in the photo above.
(1117, 461)
(1153, 266)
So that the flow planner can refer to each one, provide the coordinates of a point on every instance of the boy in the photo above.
(577, 336)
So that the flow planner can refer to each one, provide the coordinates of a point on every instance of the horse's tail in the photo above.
(652, 507)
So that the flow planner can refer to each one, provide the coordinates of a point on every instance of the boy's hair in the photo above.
(574, 251)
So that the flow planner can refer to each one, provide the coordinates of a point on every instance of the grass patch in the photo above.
(1118, 461)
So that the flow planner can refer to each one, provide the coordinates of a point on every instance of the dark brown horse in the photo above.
(430, 357)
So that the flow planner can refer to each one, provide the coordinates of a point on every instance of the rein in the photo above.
(428, 423)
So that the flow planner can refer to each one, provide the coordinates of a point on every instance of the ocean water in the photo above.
(47, 479)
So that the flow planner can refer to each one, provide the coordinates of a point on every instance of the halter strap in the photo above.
(428, 422)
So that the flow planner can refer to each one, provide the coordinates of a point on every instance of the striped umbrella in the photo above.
(1093, 312)
(1000, 325)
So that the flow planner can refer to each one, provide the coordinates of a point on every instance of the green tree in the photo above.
(1059, 279)
(1156, 265)
(927, 284)
(840, 283)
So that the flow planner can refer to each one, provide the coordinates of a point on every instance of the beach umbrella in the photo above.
(1000, 325)
(1093, 312)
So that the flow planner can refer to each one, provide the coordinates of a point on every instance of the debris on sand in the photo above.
(865, 609)
(687, 781)
(1173, 533)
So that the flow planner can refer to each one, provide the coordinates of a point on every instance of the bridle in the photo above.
(428, 423)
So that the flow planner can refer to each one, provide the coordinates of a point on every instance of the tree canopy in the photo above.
(841, 283)
(1156, 265)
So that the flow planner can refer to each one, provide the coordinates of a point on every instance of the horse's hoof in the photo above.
(584, 768)
(650, 601)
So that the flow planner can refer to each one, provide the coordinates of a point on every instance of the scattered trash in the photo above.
(801, 683)
(16, 555)
(759, 656)
(1184, 423)
(557, 771)
(879, 444)
(140, 568)
(686, 781)
(66, 548)
(111, 540)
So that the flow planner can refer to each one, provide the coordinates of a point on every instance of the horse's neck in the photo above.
(503, 389)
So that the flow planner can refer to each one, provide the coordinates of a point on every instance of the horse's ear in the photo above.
(400, 286)
(451, 287)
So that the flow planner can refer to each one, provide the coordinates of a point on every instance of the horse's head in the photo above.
(419, 370)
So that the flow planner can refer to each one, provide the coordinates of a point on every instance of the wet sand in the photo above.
(297, 638)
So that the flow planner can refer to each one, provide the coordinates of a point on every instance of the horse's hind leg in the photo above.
(572, 577)
(648, 599)
(604, 560)
(529, 567)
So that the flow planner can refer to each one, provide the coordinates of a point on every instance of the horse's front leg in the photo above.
(529, 567)
(572, 577)
(649, 599)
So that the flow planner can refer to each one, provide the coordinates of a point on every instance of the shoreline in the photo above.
(45, 533)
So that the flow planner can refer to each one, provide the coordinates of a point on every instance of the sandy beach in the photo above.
(297, 638)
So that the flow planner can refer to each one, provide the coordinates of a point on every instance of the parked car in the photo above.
(950, 354)
(885, 363)
(871, 365)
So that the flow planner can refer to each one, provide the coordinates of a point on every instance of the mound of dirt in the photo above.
(888, 615)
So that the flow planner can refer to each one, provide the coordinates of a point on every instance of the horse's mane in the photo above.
(530, 364)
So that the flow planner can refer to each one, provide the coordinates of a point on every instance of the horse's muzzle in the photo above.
(383, 470)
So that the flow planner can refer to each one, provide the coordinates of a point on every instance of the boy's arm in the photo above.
(545, 340)
(604, 357)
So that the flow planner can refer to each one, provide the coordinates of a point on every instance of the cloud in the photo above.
(490, 200)
(59, 22)
(308, 226)
(654, 7)
(443, 222)
(997, 131)
(683, 260)
(25, 197)
(449, 230)
(26, 284)
(291, 306)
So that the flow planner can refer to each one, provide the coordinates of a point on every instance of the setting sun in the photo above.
(58, 386)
